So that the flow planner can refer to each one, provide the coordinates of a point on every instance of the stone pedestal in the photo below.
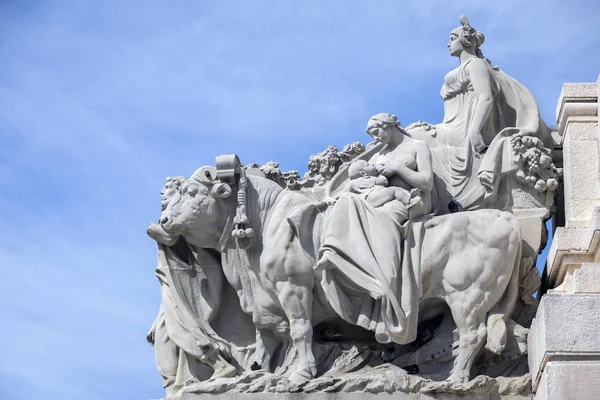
(564, 340)
(579, 137)
(348, 396)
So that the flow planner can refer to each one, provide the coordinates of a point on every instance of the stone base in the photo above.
(350, 396)
(564, 346)
(570, 380)
(565, 328)
(385, 382)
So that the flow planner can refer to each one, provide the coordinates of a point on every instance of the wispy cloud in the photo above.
(99, 101)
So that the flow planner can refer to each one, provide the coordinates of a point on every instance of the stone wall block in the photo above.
(567, 326)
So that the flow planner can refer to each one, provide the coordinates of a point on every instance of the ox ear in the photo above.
(221, 190)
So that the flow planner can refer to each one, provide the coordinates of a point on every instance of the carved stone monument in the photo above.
(403, 268)
(564, 343)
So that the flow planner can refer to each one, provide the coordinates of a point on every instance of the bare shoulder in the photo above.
(421, 147)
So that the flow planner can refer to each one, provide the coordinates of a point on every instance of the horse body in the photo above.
(470, 260)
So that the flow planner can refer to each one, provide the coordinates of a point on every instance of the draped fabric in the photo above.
(460, 175)
(453, 158)
(518, 113)
(373, 279)
(191, 288)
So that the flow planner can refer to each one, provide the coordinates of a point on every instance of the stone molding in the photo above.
(578, 136)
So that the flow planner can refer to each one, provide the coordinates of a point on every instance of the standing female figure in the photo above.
(483, 106)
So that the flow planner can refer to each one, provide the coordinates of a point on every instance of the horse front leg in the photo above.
(296, 301)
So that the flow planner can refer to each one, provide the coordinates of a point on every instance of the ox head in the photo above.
(197, 210)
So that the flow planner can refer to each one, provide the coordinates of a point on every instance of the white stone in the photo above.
(566, 327)
(577, 241)
(576, 92)
(586, 279)
(570, 380)
(352, 396)
(426, 244)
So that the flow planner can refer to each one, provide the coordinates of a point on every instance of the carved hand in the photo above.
(388, 169)
(477, 143)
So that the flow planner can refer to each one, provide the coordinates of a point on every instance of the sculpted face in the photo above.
(314, 164)
(455, 44)
(361, 168)
(369, 170)
(380, 135)
(169, 190)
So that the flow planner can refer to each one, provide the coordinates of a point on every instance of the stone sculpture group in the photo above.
(409, 250)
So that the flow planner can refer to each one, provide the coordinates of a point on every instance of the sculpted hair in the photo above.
(471, 37)
(177, 180)
(382, 120)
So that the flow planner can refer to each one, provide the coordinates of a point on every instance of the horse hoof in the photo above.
(459, 377)
(299, 377)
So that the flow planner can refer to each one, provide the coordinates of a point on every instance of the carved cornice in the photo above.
(576, 93)
(573, 247)
(576, 108)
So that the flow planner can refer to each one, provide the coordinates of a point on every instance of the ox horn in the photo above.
(221, 190)
(205, 174)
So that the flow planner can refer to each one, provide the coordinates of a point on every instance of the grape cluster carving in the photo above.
(536, 166)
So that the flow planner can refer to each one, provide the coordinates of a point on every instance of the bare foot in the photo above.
(222, 369)
(413, 201)
(403, 196)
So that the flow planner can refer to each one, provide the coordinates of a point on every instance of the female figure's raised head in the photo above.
(465, 40)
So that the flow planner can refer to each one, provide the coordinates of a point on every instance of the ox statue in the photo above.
(278, 251)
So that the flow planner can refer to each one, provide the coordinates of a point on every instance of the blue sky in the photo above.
(101, 100)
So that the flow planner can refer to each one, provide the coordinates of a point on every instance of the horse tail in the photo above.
(499, 315)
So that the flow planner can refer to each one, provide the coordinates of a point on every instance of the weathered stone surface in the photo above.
(421, 253)
(566, 327)
(582, 179)
(352, 396)
(577, 241)
(564, 340)
(571, 247)
(578, 93)
(570, 380)
(586, 279)
(386, 380)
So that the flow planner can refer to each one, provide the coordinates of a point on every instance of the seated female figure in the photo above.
(378, 289)
(375, 189)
